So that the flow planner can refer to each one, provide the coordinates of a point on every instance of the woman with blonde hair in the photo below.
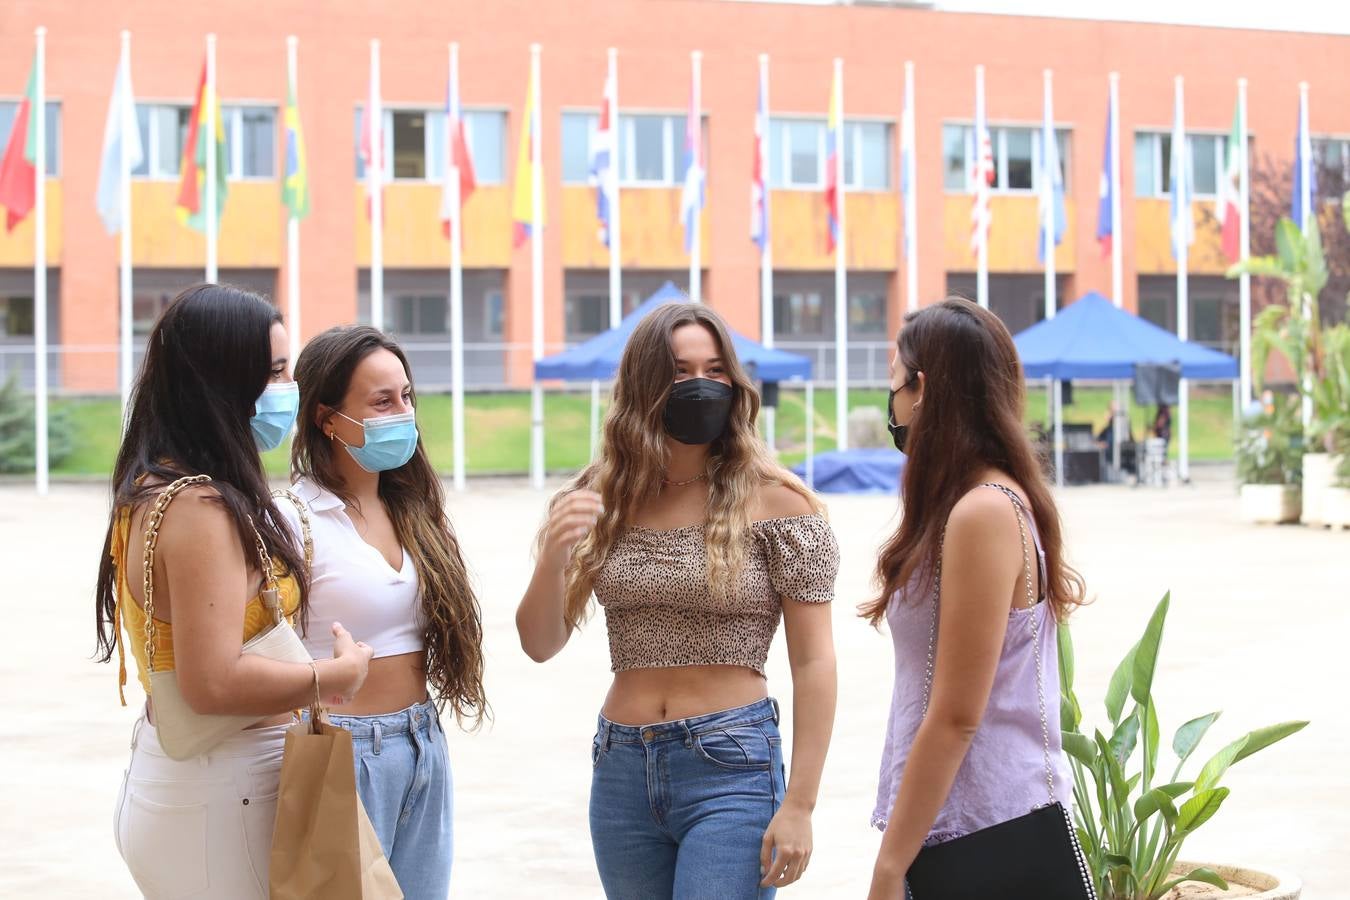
(695, 542)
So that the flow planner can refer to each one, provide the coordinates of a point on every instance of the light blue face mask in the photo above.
(390, 442)
(274, 414)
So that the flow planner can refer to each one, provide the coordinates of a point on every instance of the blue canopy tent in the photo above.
(597, 359)
(1093, 339)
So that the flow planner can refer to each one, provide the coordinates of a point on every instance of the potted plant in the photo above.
(1331, 429)
(1336, 504)
(1269, 451)
(1132, 818)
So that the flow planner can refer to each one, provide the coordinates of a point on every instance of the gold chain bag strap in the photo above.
(183, 732)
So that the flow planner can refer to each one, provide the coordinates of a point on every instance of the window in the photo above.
(494, 314)
(250, 136)
(414, 140)
(1153, 163)
(651, 148)
(16, 317)
(585, 314)
(410, 144)
(1017, 158)
(866, 314)
(419, 314)
(798, 313)
(1333, 156)
(797, 154)
(9, 110)
(578, 131)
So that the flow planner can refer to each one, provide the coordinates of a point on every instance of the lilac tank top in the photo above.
(1003, 774)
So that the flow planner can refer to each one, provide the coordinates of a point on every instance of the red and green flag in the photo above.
(18, 168)
(191, 205)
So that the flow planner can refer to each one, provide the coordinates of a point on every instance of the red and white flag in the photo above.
(982, 176)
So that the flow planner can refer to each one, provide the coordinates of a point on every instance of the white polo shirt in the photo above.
(352, 583)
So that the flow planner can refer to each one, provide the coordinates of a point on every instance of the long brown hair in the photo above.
(207, 361)
(971, 419)
(634, 456)
(453, 630)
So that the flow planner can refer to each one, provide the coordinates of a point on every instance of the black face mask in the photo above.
(899, 433)
(697, 410)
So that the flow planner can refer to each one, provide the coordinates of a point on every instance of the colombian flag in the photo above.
(191, 206)
(295, 183)
(522, 207)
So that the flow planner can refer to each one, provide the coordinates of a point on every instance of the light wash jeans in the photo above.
(679, 809)
(403, 777)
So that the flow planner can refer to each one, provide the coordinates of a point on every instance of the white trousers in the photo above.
(200, 828)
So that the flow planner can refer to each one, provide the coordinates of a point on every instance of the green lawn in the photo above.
(498, 427)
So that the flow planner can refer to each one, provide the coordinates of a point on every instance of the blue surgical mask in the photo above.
(274, 414)
(390, 442)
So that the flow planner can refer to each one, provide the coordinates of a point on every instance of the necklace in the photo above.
(698, 477)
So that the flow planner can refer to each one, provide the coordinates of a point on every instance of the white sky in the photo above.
(1330, 16)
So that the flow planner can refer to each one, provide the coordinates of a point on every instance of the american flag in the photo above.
(982, 175)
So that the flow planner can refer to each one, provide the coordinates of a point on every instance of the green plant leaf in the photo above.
(1200, 809)
(1153, 802)
(1118, 691)
(1065, 640)
(1080, 747)
(1070, 713)
(1146, 654)
(1119, 789)
(1126, 737)
(1218, 764)
(1208, 876)
(1151, 741)
(1188, 736)
(1289, 245)
(1262, 738)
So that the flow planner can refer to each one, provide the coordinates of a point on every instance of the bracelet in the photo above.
(313, 667)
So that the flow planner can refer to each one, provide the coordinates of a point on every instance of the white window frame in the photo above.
(783, 148)
(998, 139)
(488, 296)
(234, 150)
(1162, 191)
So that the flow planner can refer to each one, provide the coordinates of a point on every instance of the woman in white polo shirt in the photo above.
(388, 566)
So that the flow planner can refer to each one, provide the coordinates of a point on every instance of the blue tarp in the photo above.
(873, 470)
(598, 358)
(1092, 339)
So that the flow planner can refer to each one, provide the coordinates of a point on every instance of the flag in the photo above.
(602, 157)
(1226, 206)
(295, 183)
(1106, 223)
(691, 198)
(907, 160)
(834, 141)
(117, 140)
(522, 207)
(372, 160)
(18, 169)
(1051, 200)
(457, 157)
(192, 184)
(759, 193)
(1303, 167)
(983, 178)
(1182, 223)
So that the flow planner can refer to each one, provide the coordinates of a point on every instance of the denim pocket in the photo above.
(741, 747)
(595, 750)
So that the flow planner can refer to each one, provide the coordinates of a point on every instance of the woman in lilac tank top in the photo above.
(967, 744)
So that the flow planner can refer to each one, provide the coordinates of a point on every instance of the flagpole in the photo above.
(293, 228)
(840, 275)
(1309, 222)
(40, 261)
(1121, 419)
(612, 176)
(696, 248)
(375, 177)
(536, 273)
(212, 111)
(128, 120)
(1181, 240)
(456, 274)
(766, 255)
(1048, 198)
(981, 188)
(910, 199)
(1245, 393)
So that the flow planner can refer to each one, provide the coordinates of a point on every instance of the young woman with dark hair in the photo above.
(386, 561)
(696, 543)
(215, 387)
(972, 585)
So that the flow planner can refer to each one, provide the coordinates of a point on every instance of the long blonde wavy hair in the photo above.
(634, 457)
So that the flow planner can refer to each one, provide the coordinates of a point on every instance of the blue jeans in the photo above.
(403, 777)
(679, 809)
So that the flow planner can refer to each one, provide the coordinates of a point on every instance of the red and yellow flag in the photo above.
(191, 205)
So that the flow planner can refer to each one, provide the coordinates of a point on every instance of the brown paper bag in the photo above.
(324, 844)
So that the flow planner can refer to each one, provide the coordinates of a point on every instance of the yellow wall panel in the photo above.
(412, 227)
(652, 232)
(1014, 235)
(16, 247)
(252, 232)
(1153, 241)
(799, 220)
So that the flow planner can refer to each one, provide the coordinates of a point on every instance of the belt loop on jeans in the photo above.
(376, 733)
(688, 735)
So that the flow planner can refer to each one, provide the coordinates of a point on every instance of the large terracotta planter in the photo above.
(1249, 884)
(1319, 474)
(1270, 504)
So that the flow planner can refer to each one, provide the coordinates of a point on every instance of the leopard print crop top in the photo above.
(660, 612)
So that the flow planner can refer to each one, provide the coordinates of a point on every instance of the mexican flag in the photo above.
(18, 169)
(1227, 206)
(191, 205)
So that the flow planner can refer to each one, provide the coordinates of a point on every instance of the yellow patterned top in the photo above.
(131, 615)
